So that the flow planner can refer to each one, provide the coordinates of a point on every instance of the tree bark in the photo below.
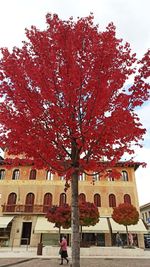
(59, 232)
(127, 235)
(75, 235)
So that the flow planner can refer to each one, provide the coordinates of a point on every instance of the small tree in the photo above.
(125, 214)
(88, 214)
(60, 216)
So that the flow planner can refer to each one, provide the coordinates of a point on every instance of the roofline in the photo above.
(145, 206)
(136, 165)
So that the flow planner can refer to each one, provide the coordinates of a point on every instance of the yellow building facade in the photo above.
(145, 214)
(27, 193)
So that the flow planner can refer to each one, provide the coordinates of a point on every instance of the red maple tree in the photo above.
(61, 215)
(88, 214)
(65, 104)
(125, 214)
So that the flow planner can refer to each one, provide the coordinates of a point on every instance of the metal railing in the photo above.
(27, 208)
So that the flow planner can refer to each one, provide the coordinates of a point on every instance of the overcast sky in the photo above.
(132, 21)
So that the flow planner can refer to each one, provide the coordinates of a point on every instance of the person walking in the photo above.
(130, 236)
(63, 250)
(118, 240)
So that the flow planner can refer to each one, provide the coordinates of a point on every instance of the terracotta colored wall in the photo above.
(40, 186)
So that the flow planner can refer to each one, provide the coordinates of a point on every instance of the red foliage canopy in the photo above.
(88, 214)
(65, 104)
(61, 215)
(125, 214)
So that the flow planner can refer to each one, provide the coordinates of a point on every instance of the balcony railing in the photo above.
(14, 208)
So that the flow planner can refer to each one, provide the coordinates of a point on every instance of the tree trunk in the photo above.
(59, 232)
(75, 235)
(127, 235)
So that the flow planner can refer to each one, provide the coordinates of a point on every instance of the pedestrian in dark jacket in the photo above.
(118, 240)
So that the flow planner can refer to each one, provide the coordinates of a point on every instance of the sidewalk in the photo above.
(92, 252)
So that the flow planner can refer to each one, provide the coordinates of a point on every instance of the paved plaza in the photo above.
(108, 257)
(86, 262)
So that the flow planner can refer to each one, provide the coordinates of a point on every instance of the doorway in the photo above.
(26, 233)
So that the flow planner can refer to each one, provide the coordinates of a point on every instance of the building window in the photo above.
(62, 177)
(82, 198)
(32, 175)
(97, 200)
(11, 202)
(109, 175)
(82, 177)
(124, 176)
(111, 179)
(16, 174)
(47, 202)
(29, 202)
(49, 176)
(127, 199)
(62, 200)
(146, 217)
(2, 174)
(112, 201)
(143, 216)
(96, 176)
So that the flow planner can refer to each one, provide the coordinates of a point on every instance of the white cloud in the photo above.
(143, 113)
(143, 174)
(130, 17)
(143, 177)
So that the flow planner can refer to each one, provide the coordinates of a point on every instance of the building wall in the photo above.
(41, 186)
(145, 214)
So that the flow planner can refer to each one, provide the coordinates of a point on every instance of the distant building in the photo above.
(145, 213)
(26, 194)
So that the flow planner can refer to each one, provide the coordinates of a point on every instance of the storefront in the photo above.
(5, 230)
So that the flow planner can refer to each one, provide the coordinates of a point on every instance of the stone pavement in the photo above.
(93, 257)
(84, 262)
(92, 252)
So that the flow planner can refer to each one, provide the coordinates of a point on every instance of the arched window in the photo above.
(49, 176)
(109, 175)
(96, 176)
(16, 174)
(112, 200)
(97, 200)
(82, 198)
(32, 175)
(11, 202)
(62, 199)
(124, 176)
(29, 204)
(82, 177)
(127, 199)
(2, 174)
(47, 202)
(62, 177)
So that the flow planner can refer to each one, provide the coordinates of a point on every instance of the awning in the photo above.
(100, 227)
(137, 228)
(44, 226)
(5, 220)
(66, 231)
